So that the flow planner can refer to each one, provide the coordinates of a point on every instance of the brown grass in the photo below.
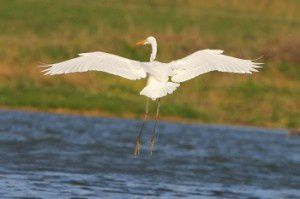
(285, 48)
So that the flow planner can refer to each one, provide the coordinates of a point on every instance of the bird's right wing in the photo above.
(99, 61)
(204, 61)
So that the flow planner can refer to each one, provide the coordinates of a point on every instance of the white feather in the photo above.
(99, 61)
(204, 61)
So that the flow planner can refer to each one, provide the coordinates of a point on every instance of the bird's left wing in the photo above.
(204, 61)
(99, 61)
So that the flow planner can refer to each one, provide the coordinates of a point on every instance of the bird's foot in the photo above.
(152, 143)
(137, 149)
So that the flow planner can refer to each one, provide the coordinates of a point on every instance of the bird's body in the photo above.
(162, 78)
(158, 84)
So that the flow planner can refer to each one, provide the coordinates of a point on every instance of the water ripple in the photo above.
(55, 156)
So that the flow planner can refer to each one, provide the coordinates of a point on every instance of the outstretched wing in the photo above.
(99, 61)
(204, 61)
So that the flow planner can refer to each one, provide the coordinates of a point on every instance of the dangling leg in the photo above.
(153, 134)
(137, 148)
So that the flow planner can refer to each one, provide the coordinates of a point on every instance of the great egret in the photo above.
(162, 78)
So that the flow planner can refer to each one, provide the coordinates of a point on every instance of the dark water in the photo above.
(51, 156)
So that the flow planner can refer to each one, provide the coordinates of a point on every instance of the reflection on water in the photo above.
(45, 155)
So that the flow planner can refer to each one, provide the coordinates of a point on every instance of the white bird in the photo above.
(162, 78)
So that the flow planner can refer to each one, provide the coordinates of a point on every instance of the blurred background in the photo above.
(33, 32)
(72, 156)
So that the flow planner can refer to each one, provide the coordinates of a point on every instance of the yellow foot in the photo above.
(137, 149)
(152, 143)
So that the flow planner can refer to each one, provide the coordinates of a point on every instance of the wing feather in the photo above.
(99, 61)
(205, 61)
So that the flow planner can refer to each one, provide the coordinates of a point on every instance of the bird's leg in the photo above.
(153, 134)
(137, 148)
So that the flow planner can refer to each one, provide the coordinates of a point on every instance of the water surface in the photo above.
(60, 156)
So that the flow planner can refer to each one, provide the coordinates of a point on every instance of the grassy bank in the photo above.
(36, 31)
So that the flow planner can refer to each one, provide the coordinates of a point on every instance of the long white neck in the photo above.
(154, 50)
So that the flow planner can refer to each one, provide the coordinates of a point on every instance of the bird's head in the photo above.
(149, 40)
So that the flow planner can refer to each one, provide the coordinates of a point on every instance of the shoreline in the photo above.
(130, 116)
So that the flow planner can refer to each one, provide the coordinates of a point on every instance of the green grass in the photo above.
(47, 31)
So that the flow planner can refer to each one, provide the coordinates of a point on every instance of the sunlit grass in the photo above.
(35, 32)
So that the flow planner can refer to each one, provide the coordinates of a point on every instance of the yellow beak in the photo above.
(143, 42)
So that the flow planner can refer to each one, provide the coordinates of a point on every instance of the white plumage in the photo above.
(204, 61)
(99, 61)
(163, 78)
